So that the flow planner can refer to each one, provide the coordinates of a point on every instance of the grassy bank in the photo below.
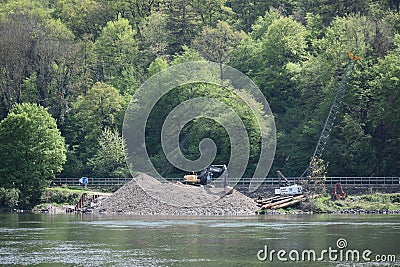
(368, 203)
(67, 196)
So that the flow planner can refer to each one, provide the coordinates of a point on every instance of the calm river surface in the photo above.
(100, 240)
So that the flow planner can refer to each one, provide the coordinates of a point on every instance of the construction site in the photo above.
(198, 194)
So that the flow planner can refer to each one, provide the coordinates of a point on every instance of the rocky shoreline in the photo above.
(156, 198)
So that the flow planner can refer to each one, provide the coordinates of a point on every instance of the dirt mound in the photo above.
(145, 195)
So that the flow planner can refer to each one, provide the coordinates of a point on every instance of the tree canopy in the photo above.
(84, 60)
(32, 151)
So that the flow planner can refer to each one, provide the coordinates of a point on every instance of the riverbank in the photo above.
(134, 200)
(372, 203)
(367, 203)
(61, 199)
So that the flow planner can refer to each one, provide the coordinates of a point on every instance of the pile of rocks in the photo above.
(145, 195)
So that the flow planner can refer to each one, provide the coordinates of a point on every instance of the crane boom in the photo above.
(333, 112)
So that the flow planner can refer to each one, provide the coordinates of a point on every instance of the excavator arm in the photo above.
(204, 176)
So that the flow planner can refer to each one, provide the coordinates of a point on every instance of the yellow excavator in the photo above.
(205, 175)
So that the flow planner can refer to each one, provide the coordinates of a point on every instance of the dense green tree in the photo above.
(155, 34)
(117, 52)
(157, 65)
(183, 23)
(31, 151)
(317, 82)
(216, 44)
(134, 10)
(211, 11)
(100, 108)
(383, 114)
(109, 160)
(329, 10)
(350, 146)
(83, 17)
(8, 198)
(247, 12)
(53, 51)
(273, 56)
(39, 60)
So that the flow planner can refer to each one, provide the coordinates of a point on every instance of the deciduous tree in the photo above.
(109, 160)
(32, 150)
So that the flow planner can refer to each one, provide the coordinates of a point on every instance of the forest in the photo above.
(81, 62)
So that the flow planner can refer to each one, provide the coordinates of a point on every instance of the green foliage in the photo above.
(198, 129)
(283, 41)
(109, 160)
(100, 108)
(157, 65)
(54, 52)
(247, 12)
(182, 23)
(216, 44)
(351, 146)
(83, 16)
(317, 176)
(155, 33)
(116, 50)
(31, 151)
(368, 202)
(384, 110)
(63, 196)
(9, 198)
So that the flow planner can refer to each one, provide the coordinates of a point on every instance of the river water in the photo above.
(100, 240)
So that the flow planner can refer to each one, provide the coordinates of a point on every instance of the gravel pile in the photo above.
(145, 195)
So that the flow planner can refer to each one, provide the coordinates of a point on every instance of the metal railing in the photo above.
(244, 181)
(91, 181)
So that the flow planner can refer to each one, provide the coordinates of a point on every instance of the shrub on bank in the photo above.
(60, 196)
(368, 202)
(8, 198)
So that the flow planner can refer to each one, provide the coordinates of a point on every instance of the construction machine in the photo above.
(333, 112)
(338, 192)
(330, 120)
(205, 175)
(288, 189)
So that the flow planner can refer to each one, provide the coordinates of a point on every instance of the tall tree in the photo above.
(329, 10)
(246, 12)
(109, 160)
(155, 34)
(31, 151)
(216, 44)
(134, 10)
(183, 23)
(100, 108)
(83, 17)
(117, 52)
(39, 60)
(384, 109)
(211, 11)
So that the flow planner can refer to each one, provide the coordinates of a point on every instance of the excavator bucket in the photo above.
(353, 57)
(338, 192)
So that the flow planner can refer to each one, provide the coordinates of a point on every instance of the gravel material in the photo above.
(145, 195)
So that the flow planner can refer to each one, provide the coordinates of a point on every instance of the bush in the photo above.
(9, 198)
(60, 197)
